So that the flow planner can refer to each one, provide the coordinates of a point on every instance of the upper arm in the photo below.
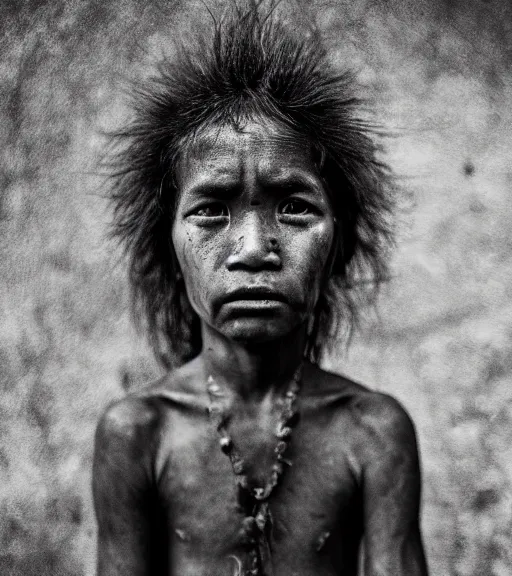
(391, 495)
(122, 488)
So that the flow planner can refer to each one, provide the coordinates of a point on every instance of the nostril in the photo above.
(273, 245)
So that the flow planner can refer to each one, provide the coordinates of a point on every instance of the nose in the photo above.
(255, 247)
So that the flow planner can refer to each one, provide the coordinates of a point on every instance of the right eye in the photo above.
(211, 210)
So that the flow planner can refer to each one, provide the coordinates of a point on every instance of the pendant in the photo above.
(256, 529)
(264, 523)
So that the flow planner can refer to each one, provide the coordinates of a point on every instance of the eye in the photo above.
(211, 210)
(296, 209)
(210, 213)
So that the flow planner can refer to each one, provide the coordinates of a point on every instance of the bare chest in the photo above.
(314, 512)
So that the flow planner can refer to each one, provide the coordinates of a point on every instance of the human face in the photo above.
(253, 230)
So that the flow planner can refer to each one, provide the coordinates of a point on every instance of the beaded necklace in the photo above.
(254, 501)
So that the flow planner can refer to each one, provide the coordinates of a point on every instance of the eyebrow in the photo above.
(221, 190)
(292, 181)
(278, 185)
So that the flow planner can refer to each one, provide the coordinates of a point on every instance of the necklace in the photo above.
(253, 501)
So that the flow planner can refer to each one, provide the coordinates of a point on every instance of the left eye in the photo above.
(296, 208)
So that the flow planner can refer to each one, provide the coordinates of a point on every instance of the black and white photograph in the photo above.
(256, 288)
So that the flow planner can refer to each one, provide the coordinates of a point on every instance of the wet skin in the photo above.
(253, 233)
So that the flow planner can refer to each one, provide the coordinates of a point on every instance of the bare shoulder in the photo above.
(126, 442)
(129, 418)
(376, 421)
(139, 416)
(181, 388)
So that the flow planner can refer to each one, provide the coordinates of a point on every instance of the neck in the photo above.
(252, 370)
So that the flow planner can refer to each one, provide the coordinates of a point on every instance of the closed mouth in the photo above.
(253, 293)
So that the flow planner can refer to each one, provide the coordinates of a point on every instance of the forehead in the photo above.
(260, 149)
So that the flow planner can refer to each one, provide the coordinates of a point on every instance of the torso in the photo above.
(317, 507)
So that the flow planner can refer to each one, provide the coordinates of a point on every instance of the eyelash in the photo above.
(210, 206)
(305, 208)
(221, 212)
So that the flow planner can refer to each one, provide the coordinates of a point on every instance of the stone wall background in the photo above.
(440, 74)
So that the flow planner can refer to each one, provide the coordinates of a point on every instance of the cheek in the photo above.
(312, 253)
(195, 257)
(181, 242)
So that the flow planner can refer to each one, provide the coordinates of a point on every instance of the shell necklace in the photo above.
(254, 501)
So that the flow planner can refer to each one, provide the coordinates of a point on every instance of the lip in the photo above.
(255, 294)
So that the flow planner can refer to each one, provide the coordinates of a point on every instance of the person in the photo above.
(255, 212)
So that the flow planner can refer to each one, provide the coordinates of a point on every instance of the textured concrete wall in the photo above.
(439, 72)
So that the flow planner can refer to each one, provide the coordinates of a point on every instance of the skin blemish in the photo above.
(468, 168)
(230, 254)
(238, 565)
(239, 245)
(322, 539)
(182, 535)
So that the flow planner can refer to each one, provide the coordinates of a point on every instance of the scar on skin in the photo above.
(182, 535)
(322, 539)
(239, 244)
(238, 565)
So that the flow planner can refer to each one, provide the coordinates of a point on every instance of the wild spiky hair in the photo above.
(249, 65)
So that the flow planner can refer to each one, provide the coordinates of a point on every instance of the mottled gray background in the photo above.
(439, 72)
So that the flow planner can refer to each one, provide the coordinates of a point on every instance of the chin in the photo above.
(255, 330)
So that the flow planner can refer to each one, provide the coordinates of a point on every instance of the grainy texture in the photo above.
(439, 72)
